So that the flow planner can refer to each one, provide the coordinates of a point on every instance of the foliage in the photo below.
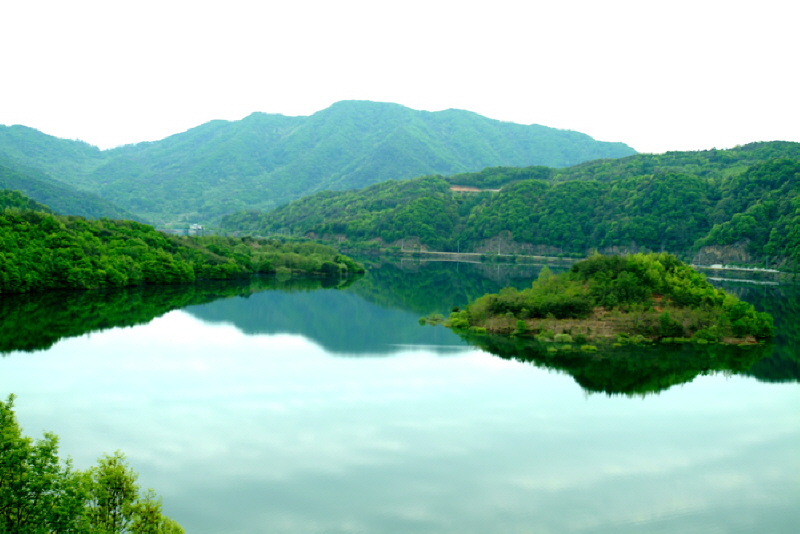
(657, 295)
(549, 295)
(36, 491)
(764, 208)
(713, 165)
(40, 493)
(15, 199)
(40, 251)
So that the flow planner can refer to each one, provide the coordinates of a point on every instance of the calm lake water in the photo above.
(281, 408)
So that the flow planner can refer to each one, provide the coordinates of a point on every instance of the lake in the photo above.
(289, 407)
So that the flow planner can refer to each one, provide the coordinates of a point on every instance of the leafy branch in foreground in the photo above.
(40, 493)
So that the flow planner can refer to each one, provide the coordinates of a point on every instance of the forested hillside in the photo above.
(265, 160)
(41, 251)
(742, 201)
(59, 196)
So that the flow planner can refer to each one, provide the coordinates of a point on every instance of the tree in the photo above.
(112, 496)
(40, 494)
(149, 519)
(37, 492)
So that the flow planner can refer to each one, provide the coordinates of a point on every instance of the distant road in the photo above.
(474, 257)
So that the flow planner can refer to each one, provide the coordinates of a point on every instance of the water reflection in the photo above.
(625, 369)
(235, 410)
(343, 322)
(37, 321)
(783, 303)
(382, 308)
(243, 433)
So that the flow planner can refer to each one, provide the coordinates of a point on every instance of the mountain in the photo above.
(57, 195)
(48, 170)
(738, 205)
(266, 160)
(62, 159)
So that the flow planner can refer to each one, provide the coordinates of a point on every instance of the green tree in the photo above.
(37, 492)
(40, 494)
(112, 496)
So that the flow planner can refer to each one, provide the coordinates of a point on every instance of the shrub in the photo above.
(458, 319)
(545, 335)
(432, 319)
(709, 335)
(668, 327)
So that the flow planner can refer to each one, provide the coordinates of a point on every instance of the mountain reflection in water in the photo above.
(383, 308)
(233, 402)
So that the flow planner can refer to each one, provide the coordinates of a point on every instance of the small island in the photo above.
(639, 298)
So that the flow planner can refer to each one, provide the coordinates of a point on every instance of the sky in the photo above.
(657, 75)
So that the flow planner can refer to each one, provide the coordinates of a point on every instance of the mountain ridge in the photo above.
(265, 160)
(56, 195)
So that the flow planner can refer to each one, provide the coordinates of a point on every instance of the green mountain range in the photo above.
(266, 160)
(59, 196)
(739, 205)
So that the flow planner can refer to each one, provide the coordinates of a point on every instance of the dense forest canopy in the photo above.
(681, 202)
(265, 160)
(42, 251)
(15, 199)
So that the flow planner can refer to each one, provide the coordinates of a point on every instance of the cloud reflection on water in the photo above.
(271, 434)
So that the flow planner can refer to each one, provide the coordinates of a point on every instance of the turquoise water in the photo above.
(332, 410)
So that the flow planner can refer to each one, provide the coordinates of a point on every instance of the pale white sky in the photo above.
(658, 75)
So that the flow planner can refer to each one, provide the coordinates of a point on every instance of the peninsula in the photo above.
(42, 251)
